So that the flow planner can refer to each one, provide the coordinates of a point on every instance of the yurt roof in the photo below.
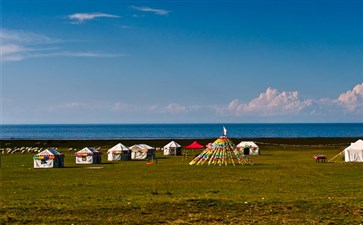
(247, 143)
(172, 144)
(141, 146)
(88, 150)
(146, 146)
(138, 148)
(358, 145)
(49, 151)
(119, 147)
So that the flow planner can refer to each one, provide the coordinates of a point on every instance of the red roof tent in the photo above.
(194, 145)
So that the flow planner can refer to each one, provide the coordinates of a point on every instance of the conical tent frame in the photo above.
(221, 153)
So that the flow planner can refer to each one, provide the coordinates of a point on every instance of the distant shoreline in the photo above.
(309, 141)
(117, 124)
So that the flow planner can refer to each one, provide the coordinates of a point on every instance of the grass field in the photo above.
(284, 186)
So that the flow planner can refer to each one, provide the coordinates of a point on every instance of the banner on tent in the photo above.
(84, 160)
(49, 163)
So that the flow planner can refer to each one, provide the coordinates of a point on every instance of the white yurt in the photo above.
(88, 156)
(119, 152)
(248, 148)
(142, 151)
(49, 158)
(354, 153)
(172, 148)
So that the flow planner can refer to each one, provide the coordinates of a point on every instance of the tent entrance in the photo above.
(246, 151)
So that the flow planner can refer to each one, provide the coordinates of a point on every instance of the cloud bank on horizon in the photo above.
(269, 106)
(273, 103)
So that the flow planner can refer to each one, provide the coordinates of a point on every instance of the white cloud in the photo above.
(152, 10)
(269, 103)
(76, 54)
(286, 106)
(16, 45)
(79, 18)
(24, 37)
(172, 108)
(118, 106)
(352, 100)
(68, 106)
(21, 45)
(175, 108)
(12, 52)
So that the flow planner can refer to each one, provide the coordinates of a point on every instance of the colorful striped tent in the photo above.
(221, 152)
(49, 158)
(88, 156)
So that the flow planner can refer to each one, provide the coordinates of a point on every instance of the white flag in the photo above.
(224, 131)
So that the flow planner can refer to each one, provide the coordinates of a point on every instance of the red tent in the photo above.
(194, 145)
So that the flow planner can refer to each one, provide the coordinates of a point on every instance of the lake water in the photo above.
(159, 131)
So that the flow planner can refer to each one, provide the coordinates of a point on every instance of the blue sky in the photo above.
(181, 62)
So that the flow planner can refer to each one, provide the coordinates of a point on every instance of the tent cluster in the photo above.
(173, 148)
(221, 152)
(139, 151)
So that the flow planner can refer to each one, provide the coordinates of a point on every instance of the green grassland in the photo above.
(284, 186)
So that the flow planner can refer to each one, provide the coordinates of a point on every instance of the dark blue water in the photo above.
(155, 131)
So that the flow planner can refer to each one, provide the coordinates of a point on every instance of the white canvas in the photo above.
(113, 157)
(254, 149)
(44, 163)
(138, 155)
(84, 160)
(87, 159)
(114, 153)
(354, 153)
(170, 148)
(169, 151)
(49, 163)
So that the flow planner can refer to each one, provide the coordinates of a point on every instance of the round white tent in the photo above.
(88, 156)
(49, 158)
(119, 152)
(248, 148)
(142, 151)
(354, 153)
(172, 148)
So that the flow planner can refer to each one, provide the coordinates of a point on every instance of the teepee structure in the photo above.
(221, 152)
